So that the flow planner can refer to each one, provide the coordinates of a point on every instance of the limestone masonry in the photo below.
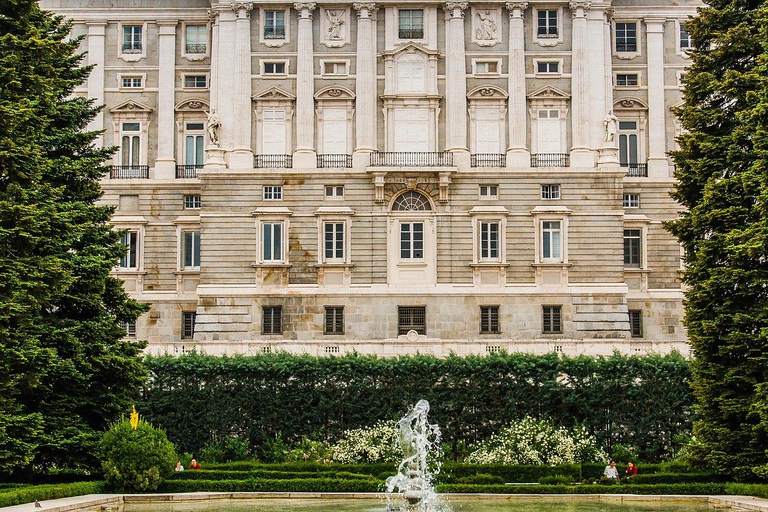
(393, 177)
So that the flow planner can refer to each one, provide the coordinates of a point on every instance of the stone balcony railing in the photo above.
(272, 161)
(129, 172)
(488, 160)
(549, 160)
(412, 159)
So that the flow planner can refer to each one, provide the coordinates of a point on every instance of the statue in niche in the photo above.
(214, 123)
(487, 29)
(610, 122)
(335, 21)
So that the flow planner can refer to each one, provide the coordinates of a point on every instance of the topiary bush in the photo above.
(136, 459)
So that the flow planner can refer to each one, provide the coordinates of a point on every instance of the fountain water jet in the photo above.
(412, 485)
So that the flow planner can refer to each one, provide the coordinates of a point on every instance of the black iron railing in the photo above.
(188, 171)
(411, 159)
(327, 160)
(488, 160)
(129, 172)
(626, 47)
(274, 32)
(197, 48)
(272, 161)
(546, 33)
(549, 160)
(131, 47)
(410, 33)
(636, 170)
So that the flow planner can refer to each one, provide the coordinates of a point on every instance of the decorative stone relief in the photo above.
(334, 24)
(486, 26)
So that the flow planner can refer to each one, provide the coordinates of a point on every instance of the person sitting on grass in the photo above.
(194, 465)
(611, 472)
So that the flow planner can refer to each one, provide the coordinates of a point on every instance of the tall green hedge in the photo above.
(640, 402)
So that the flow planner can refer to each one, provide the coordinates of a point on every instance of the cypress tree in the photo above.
(65, 369)
(723, 184)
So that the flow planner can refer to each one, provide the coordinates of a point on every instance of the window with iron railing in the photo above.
(551, 319)
(132, 38)
(411, 23)
(274, 24)
(547, 24)
(626, 37)
(411, 318)
(197, 39)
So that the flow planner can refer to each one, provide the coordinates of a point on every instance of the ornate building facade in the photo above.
(393, 177)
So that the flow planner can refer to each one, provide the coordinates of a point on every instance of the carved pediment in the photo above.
(131, 106)
(410, 47)
(194, 104)
(334, 92)
(487, 92)
(549, 93)
(273, 94)
(629, 104)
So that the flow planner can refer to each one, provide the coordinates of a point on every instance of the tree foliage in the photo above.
(723, 182)
(640, 402)
(64, 370)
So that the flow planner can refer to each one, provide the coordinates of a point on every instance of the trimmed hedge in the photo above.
(30, 493)
(689, 489)
(672, 478)
(759, 490)
(453, 472)
(273, 485)
(303, 467)
(264, 474)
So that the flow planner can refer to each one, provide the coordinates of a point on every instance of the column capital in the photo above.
(242, 9)
(167, 28)
(364, 9)
(305, 9)
(654, 24)
(516, 9)
(456, 9)
(609, 12)
(579, 8)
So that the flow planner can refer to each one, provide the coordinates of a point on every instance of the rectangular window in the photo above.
(274, 68)
(548, 66)
(194, 144)
(552, 319)
(636, 323)
(129, 328)
(489, 192)
(188, 324)
(333, 240)
(626, 80)
(130, 260)
(550, 241)
(272, 320)
(131, 82)
(192, 202)
(550, 191)
(191, 249)
(335, 68)
(628, 143)
(273, 192)
(411, 240)
(547, 24)
(411, 24)
(489, 240)
(197, 39)
(685, 37)
(489, 320)
(272, 241)
(626, 37)
(631, 201)
(195, 81)
(411, 318)
(130, 144)
(274, 24)
(632, 238)
(334, 192)
(487, 67)
(334, 320)
(132, 38)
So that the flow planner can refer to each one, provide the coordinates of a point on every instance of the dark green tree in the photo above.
(723, 184)
(65, 370)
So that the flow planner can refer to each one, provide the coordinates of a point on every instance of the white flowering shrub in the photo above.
(531, 441)
(377, 443)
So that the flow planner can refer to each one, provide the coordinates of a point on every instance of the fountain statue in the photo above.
(412, 489)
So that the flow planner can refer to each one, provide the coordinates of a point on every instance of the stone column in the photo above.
(226, 71)
(165, 164)
(581, 156)
(242, 153)
(365, 86)
(305, 156)
(96, 56)
(456, 85)
(609, 151)
(214, 155)
(518, 154)
(596, 86)
(658, 167)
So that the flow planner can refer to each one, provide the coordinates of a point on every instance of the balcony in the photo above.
(626, 47)
(196, 48)
(272, 161)
(274, 32)
(326, 161)
(546, 33)
(187, 171)
(488, 160)
(132, 47)
(549, 160)
(129, 172)
(412, 159)
(635, 170)
(410, 33)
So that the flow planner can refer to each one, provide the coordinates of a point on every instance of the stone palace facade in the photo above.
(393, 177)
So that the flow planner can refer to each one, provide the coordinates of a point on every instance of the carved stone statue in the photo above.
(213, 128)
(335, 21)
(610, 122)
(487, 29)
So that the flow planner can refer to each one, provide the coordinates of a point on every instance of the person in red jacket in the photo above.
(631, 469)
(194, 465)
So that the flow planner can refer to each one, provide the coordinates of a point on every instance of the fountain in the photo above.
(412, 489)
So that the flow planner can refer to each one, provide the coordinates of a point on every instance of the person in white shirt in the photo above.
(611, 472)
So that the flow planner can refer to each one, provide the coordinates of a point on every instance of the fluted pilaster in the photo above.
(365, 85)
(305, 155)
(517, 152)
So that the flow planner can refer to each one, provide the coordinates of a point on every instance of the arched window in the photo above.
(411, 201)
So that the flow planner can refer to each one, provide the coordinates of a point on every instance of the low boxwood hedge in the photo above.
(689, 489)
(453, 472)
(218, 474)
(672, 478)
(272, 485)
(30, 493)
(759, 490)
